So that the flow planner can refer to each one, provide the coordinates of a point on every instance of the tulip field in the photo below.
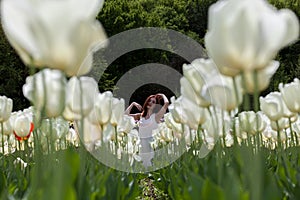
(223, 136)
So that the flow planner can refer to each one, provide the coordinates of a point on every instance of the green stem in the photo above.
(198, 134)
(45, 97)
(246, 103)
(212, 119)
(116, 141)
(223, 129)
(236, 92)
(292, 133)
(256, 106)
(48, 145)
(51, 137)
(81, 150)
(2, 133)
(278, 136)
(256, 91)
(234, 131)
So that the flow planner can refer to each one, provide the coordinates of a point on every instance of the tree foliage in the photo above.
(13, 74)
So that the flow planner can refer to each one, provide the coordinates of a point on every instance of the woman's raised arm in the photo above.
(128, 110)
(164, 108)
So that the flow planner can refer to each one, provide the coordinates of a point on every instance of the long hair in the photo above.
(158, 99)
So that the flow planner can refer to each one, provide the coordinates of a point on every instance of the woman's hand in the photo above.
(166, 101)
(138, 106)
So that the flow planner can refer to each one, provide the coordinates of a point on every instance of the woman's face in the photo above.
(151, 103)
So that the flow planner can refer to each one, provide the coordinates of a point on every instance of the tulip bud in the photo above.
(246, 35)
(6, 105)
(274, 107)
(47, 90)
(290, 94)
(220, 91)
(102, 110)
(81, 97)
(263, 77)
(252, 122)
(23, 127)
(126, 125)
(7, 128)
(31, 27)
(117, 111)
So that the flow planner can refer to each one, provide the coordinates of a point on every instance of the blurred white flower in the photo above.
(220, 91)
(80, 98)
(252, 122)
(72, 136)
(241, 135)
(7, 128)
(102, 109)
(126, 125)
(21, 163)
(283, 123)
(274, 107)
(217, 124)
(117, 111)
(187, 91)
(196, 75)
(246, 35)
(188, 112)
(47, 91)
(6, 105)
(57, 127)
(263, 77)
(46, 34)
(171, 124)
(290, 94)
(22, 126)
(229, 141)
(90, 134)
(176, 110)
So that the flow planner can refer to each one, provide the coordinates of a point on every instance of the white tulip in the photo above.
(46, 34)
(242, 135)
(57, 127)
(117, 111)
(274, 107)
(171, 124)
(127, 124)
(283, 123)
(290, 94)
(47, 91)
(187, 91)
(263, 77)
(22, 126)
(196, 75)
(6, 105)
(91, 133)
(81, 96)
(102, 110)
(199, 71)
(195, 114)
(252, 122)
(220, 91)
(7, 128)
(176, 110)
(246, 35)
(217, 124)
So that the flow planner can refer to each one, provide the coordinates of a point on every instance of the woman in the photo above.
(152, 113)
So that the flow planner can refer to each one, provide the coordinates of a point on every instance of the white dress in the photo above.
(146, 126)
